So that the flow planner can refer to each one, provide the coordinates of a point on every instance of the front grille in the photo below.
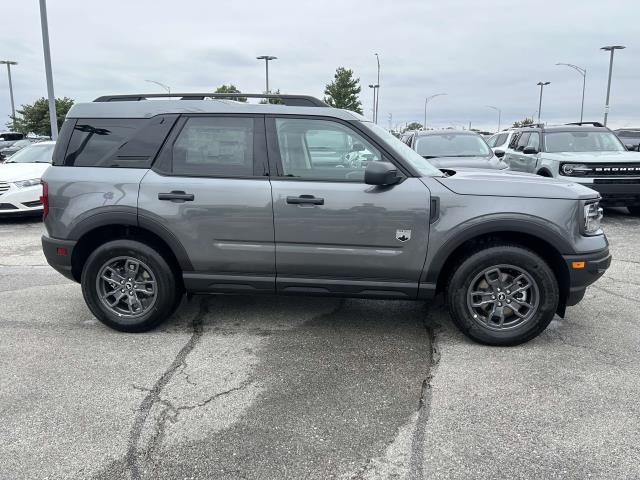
(4, 186)
(7, 206)
(35, 203)
(617, 181)
(605, 170)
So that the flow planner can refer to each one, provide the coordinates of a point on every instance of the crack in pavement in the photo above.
(153, 395)
(416, 460)
(590, 349)
(610, 292)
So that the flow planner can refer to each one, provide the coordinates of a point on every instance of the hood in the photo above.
(602, 157)
(493, 162)
(13, 172)
(513, 184)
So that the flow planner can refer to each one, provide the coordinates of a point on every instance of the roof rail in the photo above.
(290, 100)
(595, 124)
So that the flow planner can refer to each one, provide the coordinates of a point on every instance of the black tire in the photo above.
(634, 211)
(167, 292)
(543, 292)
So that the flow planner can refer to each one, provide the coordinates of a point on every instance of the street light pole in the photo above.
(583, 72)
(266, 59)
(610, 48)
(426, 101)
(542, 84)
(375, 96)
(161, 85)
(53, 118)
(8, 63)
(499, 114)
(377, 91)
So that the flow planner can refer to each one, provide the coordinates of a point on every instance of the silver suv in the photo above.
(587, 153)
(149, 198)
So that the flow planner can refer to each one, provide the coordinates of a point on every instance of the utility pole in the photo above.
(53, 118)
(161, 85)
(375, 96)
(266, 59)
(8, 63)
(611, 49)
(499, 114)
(377, 91)
(426, 101)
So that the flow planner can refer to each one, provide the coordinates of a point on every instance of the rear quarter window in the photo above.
(114, 142)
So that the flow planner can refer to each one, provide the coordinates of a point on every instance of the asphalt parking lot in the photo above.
(275, 388)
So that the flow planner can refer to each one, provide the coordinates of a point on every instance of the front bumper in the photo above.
(21, 201)
(623, 192)
(58, 254)
(583, 271)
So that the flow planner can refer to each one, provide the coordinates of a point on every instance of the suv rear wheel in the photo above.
(502, 295)
(129, 286)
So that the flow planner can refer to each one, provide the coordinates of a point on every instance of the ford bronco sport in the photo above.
(150, 197)
(587, 153)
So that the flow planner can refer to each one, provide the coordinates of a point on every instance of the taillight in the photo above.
(44, 199)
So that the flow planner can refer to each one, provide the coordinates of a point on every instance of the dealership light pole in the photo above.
(53, 119)
(610, 48)
(266, 59)
(499, 114)
(583, 72)
(426, 101)
(8, 63)
(377, 91)
(375, 96)
(542, 84)
(161, 85)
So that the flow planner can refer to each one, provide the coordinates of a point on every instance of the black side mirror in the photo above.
(499, 153)
(381, 173)
(357, 147)
(529, 150)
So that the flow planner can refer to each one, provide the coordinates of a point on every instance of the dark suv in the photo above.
(147, 199)
(587, 153)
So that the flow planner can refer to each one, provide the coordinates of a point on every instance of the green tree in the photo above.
(344, 91)
(523, 123)
(34, 118)
(272, 101)
(231, 88)
(413, 126)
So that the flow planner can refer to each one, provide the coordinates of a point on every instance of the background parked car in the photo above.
(6, 152)
(11, 136)
(630, 137)
(20, 188)
(500, 141)
(456, 149)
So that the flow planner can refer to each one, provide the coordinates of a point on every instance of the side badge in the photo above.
(403, 235)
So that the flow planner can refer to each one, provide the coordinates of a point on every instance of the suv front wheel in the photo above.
(129, 286)
(502, 295)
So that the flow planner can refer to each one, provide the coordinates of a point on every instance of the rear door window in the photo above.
(522, 141)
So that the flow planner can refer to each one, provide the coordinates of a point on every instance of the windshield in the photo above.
(21, 143)
(629, 133)
(452, 145)
(407, 154)
(582, 142)
(33, 154)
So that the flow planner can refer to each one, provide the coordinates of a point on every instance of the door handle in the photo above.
(305, 199)
(176, 196)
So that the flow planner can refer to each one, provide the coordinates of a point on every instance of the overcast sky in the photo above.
(492, 52)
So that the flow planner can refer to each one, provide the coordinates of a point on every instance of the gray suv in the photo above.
(150, 198)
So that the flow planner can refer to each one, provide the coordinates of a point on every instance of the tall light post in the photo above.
(426, 101)
(610, 48)
(377, 91)
(8, 63)
(161, 85)
(499, 114)
(267, 59)
(583, 72)
(542, 84)
(375, 96)
(53, 118)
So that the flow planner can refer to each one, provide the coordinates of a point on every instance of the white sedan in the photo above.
(20, 188)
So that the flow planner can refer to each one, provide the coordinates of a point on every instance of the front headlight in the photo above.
(592, 217)
(574, 169)
(27, 183)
